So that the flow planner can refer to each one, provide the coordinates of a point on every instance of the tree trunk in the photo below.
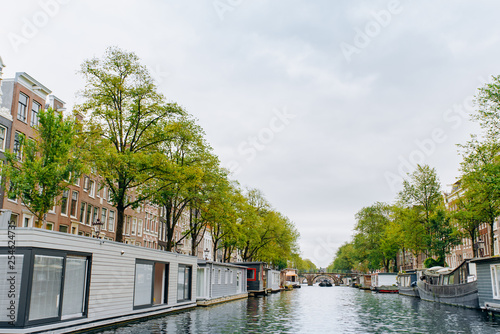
(120, 215)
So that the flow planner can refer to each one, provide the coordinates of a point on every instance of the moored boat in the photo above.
(325, 282)
(407, 283)
(450, 286)
(384, 283)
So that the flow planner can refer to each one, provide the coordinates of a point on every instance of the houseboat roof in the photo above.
(486, 259)
(225, 264)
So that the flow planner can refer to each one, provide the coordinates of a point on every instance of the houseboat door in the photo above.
(238, 281)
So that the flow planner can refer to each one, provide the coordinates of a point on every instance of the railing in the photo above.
(326, 271)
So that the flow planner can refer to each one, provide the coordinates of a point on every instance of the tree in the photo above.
(41, 168)
(470, 213)
(344, 258)
(188, 165)
(128, 120)
(422, 189)
(481, 177)
(370, 238)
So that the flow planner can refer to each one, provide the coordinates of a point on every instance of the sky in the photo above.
(324, 106)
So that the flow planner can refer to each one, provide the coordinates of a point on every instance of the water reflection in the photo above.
(321, 310)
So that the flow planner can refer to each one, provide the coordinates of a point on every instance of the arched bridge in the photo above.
(315, 277)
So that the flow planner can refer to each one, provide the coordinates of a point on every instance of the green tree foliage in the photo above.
(345, 258)
(179, 182)
(45, 165)
(372, 236)
(469, 214)
(127, 120)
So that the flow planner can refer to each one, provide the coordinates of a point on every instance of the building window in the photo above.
(88, 217)
(95, 216)
(127, 226)
(3, 134)
(134, 224)
(86, 182)
(49, 226)
(184, 283)
(495, 280)
(64, 203)
(17, 149)
(104, 213)
(74, 203)
(111, 222)
(63, 228)
(92, 189)
(35, 109)
(139, 228)
(11, 195)
(82, 212)
(22, 108)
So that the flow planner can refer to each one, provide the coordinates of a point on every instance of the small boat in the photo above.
(407, 283)
(450, 286)
(384, 283)
(325, 282)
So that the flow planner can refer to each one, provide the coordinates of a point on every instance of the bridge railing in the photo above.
(326, 271)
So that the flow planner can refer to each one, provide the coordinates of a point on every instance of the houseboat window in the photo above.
(251, 274)
(200, 283)
(75, 285)
(46, 287)
(143, 284)
(495, 280)
(184, 283)
(5, 285)
(219, 277)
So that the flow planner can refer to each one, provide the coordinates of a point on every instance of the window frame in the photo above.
(165, 287)
(24, 306)
(495, 286)
(34, 121)
(22, 109)
(71, 207)
(3, 140)
(254, 277)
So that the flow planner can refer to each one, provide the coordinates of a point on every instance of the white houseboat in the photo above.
(68, 283)
(219, 282)
(384, 282)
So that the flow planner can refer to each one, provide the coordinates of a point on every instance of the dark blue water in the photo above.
(321, 310)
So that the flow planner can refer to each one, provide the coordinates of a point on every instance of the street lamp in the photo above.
(96, 226)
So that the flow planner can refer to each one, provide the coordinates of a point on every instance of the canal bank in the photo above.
(320, 310)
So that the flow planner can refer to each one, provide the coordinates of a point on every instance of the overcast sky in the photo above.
(322, 105)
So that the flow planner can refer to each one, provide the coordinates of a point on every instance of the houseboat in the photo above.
(488, 283)
(407, 283)
(366, 282)
(68, 283)
(450, 286)
(272, 280)
(256, 279)
(219, 282)
(289, 277)
(384, 282)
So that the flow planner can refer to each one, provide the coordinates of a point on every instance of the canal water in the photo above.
(320, 310)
